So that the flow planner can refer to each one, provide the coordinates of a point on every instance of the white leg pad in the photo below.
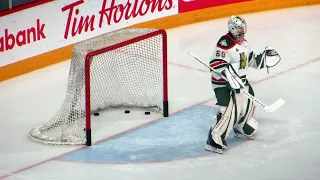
(252, 123)
(225, 124)
(246, 126)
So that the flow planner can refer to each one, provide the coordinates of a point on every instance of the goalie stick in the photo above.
(276, 105)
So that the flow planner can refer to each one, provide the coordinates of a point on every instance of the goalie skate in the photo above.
(238, 135)
(213, 149)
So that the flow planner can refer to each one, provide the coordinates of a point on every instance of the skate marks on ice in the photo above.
(181, 136)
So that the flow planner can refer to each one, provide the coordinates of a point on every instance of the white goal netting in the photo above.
(127, 69)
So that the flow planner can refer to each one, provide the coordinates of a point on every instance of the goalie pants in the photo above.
(235, 113)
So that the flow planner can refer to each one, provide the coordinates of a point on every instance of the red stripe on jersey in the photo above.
(217, 63)
(218, 80)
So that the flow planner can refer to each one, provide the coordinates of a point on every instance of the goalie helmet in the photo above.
(237, 27)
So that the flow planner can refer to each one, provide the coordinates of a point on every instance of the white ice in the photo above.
(286, 146)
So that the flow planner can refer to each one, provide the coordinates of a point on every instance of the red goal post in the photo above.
(124, 68)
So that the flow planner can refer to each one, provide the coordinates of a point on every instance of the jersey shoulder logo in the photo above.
(223, 42)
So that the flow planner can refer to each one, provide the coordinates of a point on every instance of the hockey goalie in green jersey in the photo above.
(231, 58)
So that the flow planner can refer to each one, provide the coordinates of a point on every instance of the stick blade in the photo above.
(280, 102)
(190, 53)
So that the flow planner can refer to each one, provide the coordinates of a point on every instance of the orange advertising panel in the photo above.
(190, 5)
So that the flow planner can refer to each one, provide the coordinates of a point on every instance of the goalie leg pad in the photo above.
(247, 125)
(224, 126)
(211, 145)
(248, 130)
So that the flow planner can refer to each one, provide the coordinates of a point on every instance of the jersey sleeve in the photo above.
(224, 53)
(220, 59)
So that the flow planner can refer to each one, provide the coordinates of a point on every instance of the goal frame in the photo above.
(88, 59)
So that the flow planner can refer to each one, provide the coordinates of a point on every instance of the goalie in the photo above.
(230, 60)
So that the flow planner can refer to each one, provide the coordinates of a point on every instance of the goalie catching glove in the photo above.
(268, 58)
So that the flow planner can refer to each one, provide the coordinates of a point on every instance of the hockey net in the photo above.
(124, 68)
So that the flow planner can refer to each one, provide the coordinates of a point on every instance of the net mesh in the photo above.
(128, 76)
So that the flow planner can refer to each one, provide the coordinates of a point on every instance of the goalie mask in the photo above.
(237, 27)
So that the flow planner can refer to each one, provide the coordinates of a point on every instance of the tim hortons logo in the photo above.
(23, 37)
(114, 13)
